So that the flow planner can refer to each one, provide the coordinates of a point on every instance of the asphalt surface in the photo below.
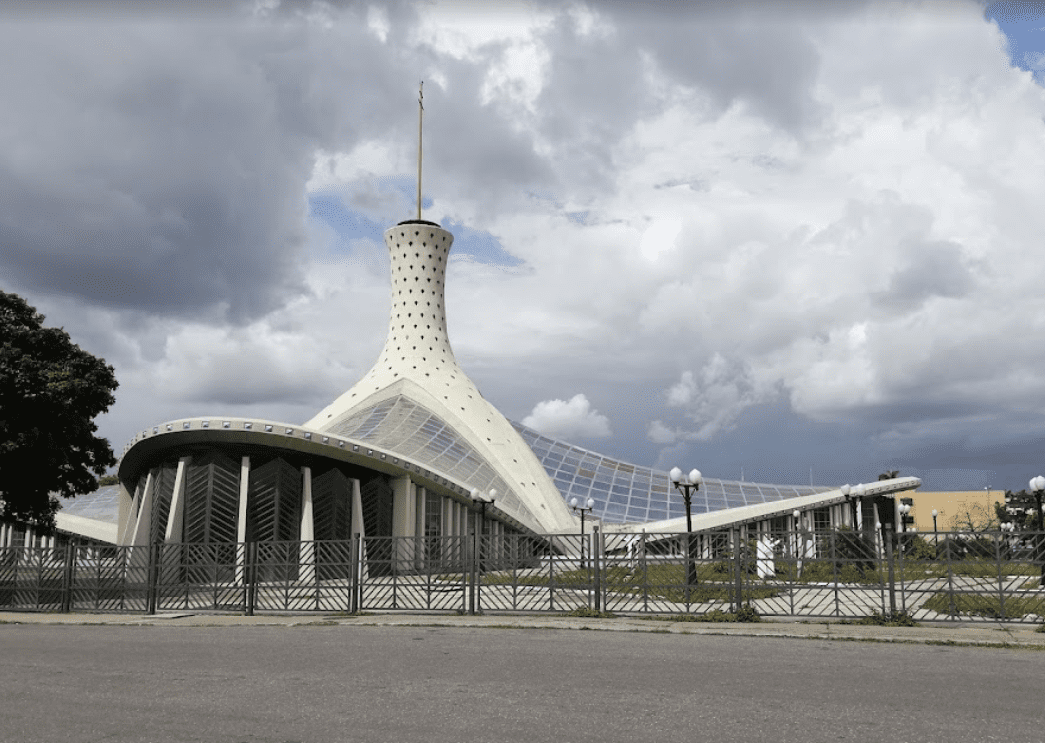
(283, 679)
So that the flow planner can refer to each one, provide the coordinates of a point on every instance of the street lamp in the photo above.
(575, 505)
(904, 509)
(1037, 486)
(859, 491)
(847, 491)
(482, 499)
(687, 485)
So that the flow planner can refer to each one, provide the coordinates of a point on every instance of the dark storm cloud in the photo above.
(161, 166)
(734, 51)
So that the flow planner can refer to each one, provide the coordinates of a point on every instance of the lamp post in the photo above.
(687, 485)
(936, 536)
(1037, 486)
(903, 509)
(859, 490)
(847, 491)
(800, 539)
(586, 508)
(482, 499)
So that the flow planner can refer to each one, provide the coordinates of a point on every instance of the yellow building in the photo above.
(955, 509)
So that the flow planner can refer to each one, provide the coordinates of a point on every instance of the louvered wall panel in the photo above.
(332, 505)
(224, 500)
(212, 499)
(163, 490)
(263, 501)
(274, 502)
(377, 507)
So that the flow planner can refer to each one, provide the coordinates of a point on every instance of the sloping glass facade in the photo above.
(407, 428)
(626, 493)
(101, 505)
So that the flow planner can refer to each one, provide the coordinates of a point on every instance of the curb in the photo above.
(988, 635)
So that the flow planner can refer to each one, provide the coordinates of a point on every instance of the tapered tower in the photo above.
(430, 409)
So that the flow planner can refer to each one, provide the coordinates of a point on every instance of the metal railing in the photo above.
(839, 574)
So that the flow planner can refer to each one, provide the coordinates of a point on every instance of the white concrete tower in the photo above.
(418, 369)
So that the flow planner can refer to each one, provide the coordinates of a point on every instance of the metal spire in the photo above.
(420, 122)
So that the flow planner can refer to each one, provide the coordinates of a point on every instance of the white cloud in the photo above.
(843, 208)
(568, 418)
(658, 433)
(377, 22)
(713, 399)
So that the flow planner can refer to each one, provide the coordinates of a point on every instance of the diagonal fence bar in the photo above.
(840, 574)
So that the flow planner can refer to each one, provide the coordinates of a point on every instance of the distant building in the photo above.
(955, 509)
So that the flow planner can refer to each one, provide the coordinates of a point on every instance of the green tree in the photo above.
(50, 392)
(889, 475)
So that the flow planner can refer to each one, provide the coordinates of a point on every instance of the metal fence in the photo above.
(840, 574)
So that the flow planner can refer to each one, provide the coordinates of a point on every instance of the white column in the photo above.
(241, 523)
(176, 516)
(358, 527)
(404, 507)
(141, 525)
(128, 520)
(307, 534)
(244, 488)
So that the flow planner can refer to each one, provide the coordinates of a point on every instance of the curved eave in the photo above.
(760, 511)
(148, 446)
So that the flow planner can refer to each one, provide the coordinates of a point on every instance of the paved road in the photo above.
(312, 684)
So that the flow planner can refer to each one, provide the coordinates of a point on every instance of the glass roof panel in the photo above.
(645, 488)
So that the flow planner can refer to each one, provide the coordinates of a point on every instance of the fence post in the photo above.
(950, 574)
(892, 572)
(67, 577)
(645, 574)
(1001, 579)
(833, 536)
(597, 564)
(153, 577)
(738, 568)
(252, 577)
(551, 572)
(352, 567)
(473, 572)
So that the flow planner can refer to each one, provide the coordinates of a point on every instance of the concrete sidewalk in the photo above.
(965, 633)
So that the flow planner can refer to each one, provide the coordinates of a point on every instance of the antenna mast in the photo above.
(420, 122)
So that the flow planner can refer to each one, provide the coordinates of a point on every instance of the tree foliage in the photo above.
(50, 392)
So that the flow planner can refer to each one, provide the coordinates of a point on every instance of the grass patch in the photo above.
(745, 614)
(892, 619)
(586, 613)
(986, 606)
(714, 582)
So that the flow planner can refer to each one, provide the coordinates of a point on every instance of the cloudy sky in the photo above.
(793, 245)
